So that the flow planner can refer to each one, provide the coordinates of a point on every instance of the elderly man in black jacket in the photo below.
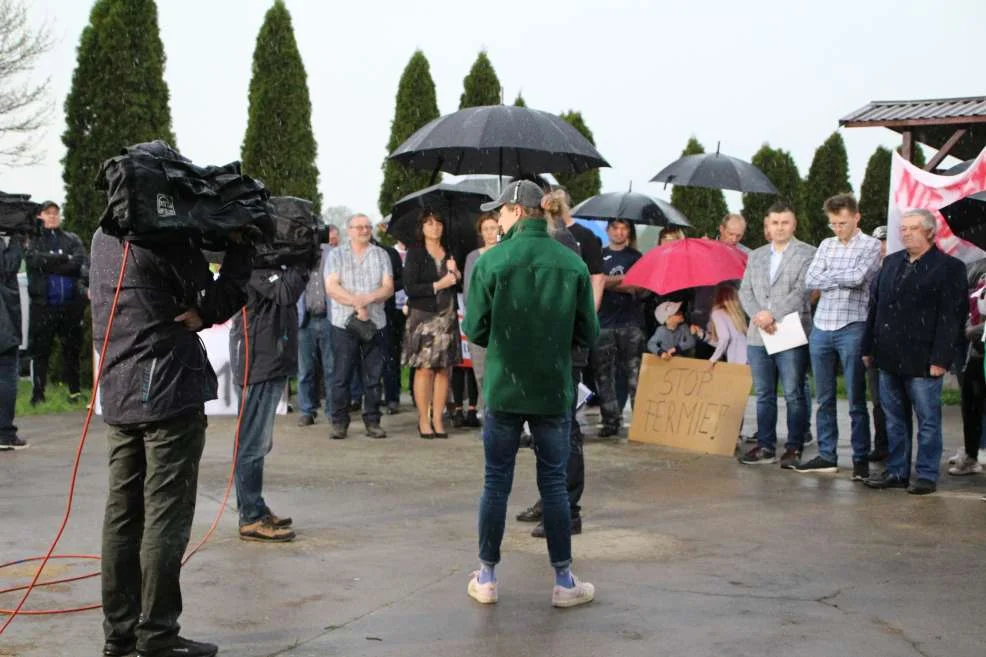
(156, 379)
(272, 337)
(11, 252)
(914, 328)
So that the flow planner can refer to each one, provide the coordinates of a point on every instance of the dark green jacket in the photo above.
(529, 301)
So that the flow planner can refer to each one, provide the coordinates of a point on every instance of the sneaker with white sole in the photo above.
(956, 457)
(484, 594)
(580, 594)
(965, 466)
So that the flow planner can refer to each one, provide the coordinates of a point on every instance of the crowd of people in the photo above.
(545, 307)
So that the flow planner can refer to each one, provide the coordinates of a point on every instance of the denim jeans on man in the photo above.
(256, 441)
(9, 371)
(924, 395)
(828, 349)
(314, 344)
(153, 478)
(501, 439)
(353, 358)
(790, 367)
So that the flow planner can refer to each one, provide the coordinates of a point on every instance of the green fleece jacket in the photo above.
(530, 301)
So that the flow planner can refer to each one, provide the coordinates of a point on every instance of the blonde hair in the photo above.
(728, 300)
(556, 210)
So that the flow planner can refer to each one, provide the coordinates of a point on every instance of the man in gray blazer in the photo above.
(772, 288)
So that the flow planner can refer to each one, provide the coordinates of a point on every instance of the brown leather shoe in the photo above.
(533, 513)
(277, 521)
(264, 532)
(576, 528)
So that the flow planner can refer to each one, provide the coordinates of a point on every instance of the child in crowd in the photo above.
(727, 327)
(673, 336)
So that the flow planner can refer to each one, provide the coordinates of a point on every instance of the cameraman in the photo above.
(11, 252)
(155, 382)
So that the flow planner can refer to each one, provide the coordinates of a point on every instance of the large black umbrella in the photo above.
(716, 171)
(457, 203)
(499, 139)
(632, 206)
(967, 218)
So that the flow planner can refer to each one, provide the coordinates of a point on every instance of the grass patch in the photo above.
(56, 400)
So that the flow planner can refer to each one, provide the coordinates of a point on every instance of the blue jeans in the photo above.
(355, 360)
(791, 367)
(8, 393)
(828, 349)
(898, 394)
(314, 341)
(256, 441)
(501, 439)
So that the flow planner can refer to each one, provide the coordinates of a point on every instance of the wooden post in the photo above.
(945, 149)
(907, 148)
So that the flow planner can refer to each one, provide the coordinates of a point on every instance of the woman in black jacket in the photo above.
(431, 344)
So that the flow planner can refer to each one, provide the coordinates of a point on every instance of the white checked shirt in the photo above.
(359, 276)
(843, 273)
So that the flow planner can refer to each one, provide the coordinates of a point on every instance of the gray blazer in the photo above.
(787, 294)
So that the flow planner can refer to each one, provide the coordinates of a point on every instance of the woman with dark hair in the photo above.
(431, 343)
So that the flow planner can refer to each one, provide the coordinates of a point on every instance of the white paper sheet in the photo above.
(789, 334)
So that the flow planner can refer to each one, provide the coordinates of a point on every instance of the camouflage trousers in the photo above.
(617, 351)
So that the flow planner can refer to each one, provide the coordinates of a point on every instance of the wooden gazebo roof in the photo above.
(953, 126)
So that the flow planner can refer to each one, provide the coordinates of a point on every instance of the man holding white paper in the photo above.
(843, 270)
(773, 287)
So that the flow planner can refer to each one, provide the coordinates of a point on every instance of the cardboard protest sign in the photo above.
(682, 403)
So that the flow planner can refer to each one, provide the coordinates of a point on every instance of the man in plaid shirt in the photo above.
(842, 270)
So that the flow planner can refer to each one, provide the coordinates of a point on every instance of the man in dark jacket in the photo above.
(272, 337)
(11, 251)
(915, 324)
(57, 281)
(156, 379)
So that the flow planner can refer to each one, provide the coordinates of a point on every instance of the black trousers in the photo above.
(46, 324)
(154, 472)
(575, 475)
(464, 378)
(973, 405)
(880, 443)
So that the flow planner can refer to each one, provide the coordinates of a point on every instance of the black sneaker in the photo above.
(538, 532)
(458, 419)
(609, 431)
(922, 487)
(861, 471)
(886, 480)
(472, 419)
(877, 456)
(114, 649)
(338, 431)
(759, 456)
(306, 420)
(7, 444)
(375, 431)
(183, 648)
(533, 513)
(790, 459)
(818, 465)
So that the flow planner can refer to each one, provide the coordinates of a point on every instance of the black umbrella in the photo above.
(457, 203)
(499, 139)
(717, 171)
(632, 206)
(967, 218)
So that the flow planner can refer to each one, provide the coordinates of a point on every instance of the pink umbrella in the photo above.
(687, 263)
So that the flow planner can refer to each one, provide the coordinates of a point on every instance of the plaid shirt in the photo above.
(843, 273)
(359, 276)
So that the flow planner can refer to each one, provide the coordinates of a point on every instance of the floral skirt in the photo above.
(432, 339)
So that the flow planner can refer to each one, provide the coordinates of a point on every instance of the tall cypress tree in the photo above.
(482, 87)
(519, 101)
(118, 98)
(580, 186)
(704, 208)
(416, 105)
(279, 147)
(779, 167)
(828, 176)
(874, 195)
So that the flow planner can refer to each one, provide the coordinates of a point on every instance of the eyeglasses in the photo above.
(362, 227)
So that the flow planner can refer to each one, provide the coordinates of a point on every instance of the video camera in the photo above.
(19, 215)
(297, 237)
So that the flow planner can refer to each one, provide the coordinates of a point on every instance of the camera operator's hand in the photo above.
(191, 319)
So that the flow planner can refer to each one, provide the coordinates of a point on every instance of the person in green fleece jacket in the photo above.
(530, 301)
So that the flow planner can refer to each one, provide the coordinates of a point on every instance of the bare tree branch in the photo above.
(25, 105)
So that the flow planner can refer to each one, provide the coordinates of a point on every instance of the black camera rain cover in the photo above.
(295, 234)
(18, 214)
(152, 192)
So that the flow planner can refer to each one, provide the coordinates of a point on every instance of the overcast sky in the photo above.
(645, 75)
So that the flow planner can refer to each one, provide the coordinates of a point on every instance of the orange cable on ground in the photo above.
(28, 589)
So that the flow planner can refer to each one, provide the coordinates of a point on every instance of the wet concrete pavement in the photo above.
(691, 555)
